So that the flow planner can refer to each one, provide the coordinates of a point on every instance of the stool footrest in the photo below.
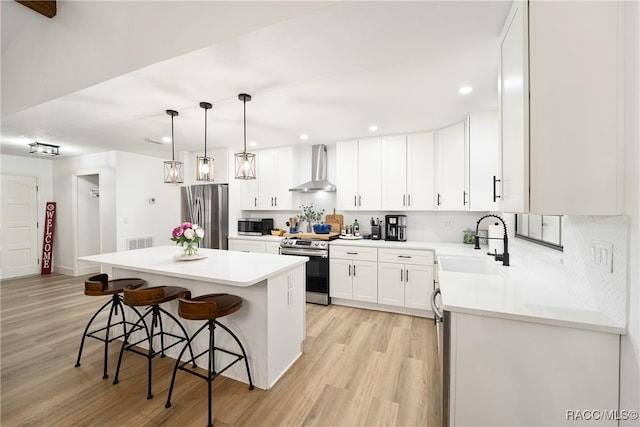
(182, 366)
(103, 339)
(179, 339)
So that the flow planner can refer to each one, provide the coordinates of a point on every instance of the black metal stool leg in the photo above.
(178, 361)
(156, 318)
(212, 363)
(126, 340)
(84, 334)
(244, 353)
(107, 332)
(184, 331)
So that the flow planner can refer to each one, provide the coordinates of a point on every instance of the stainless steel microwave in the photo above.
(254, 226)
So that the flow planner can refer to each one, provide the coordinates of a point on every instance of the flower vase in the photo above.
(190, 249)
(309, 229)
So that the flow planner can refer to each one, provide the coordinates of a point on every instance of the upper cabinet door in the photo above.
(268, 178)
(420, 171)
(514, 110)
(369, 178)
(576, 86)
(484, 162)
(394, 173)
(283, 198)
(452, 192)
(347, 175)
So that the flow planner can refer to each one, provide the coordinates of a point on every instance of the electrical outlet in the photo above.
(448, 223)
(601, 254)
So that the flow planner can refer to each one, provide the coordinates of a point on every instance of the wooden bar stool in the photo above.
(100, 285)
(152, 298)
(209, 308)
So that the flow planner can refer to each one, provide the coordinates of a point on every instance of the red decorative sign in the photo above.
(47, 247)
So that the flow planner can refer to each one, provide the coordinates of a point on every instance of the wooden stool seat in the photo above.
(208, 307)
(100, 285)
(153, 295)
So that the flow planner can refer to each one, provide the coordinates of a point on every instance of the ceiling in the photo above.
(329, 74)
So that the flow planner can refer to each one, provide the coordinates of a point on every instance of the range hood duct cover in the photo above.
(318, 172)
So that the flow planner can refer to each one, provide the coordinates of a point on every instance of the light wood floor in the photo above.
(359, 368)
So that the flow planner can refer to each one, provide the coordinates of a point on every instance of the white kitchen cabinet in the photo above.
(274, 177)
(272, 248)
(452, 168)
(358, 177)
(407, 172)
(353, 274)
(247, 246)
(405, 278)
(562, 142)
(484, 161)
(508, 372)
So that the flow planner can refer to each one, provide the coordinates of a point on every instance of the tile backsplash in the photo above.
(603, 290)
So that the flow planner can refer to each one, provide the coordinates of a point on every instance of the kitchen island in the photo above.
(271, 322)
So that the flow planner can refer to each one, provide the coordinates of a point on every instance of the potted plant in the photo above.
(310, 216)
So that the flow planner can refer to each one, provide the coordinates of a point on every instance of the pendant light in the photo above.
(172, 169)
(245, 162)
(204, 165)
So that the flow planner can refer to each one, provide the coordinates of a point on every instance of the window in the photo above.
(542, 229)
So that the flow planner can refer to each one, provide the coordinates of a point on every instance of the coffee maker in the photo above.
(395, 227)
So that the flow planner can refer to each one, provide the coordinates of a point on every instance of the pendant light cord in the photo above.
(173, 155)
(205, 132)
(244, 107)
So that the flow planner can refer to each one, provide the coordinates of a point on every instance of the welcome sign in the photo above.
(47, 247)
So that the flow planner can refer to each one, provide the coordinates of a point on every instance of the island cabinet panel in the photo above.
(508, 372)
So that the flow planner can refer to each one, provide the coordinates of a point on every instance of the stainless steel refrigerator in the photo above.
(208, 206)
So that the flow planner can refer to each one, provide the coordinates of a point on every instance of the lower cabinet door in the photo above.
(391, 284)
(340, 278)
(418, 285)
(365, 281)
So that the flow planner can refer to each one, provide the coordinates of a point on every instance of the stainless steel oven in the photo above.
(317, 280)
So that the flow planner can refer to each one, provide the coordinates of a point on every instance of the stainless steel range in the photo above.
(317, 280)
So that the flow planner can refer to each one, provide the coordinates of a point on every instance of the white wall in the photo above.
(138, 179)
(630, 343)
(42, 169)
(65, 171)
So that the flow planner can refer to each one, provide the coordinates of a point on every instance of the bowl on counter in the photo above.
(321, 228)
(277, 232)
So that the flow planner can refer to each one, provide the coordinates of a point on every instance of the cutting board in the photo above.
(328, 236)
(336, 221)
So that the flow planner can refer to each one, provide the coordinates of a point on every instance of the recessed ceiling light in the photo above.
(465, 90)
(252, 143)
(373, 128)
(166, 139)
(304, 136)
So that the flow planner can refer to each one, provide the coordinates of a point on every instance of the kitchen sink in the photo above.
(470, 265)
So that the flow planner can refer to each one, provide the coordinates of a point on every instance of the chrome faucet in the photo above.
(504, 257)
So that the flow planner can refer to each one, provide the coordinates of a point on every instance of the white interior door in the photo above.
(19, 226)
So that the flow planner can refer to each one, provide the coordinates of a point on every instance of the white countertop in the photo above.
(224, 267)
(531, 289)
(520, 292)
(264, 238)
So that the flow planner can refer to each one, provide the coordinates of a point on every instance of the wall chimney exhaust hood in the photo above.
(318, 172)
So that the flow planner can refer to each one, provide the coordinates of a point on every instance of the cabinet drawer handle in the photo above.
(349, 269)
(404, 199)
(355, 200)
(359, 200)
(404, 256)
(464, 198)
(495, 195)
(409, 200)
(406, 276)
(275, 201)
(401, 279)
(255, 202)
(352, 253)
(354, 271)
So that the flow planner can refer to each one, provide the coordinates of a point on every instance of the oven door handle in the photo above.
(303, 253)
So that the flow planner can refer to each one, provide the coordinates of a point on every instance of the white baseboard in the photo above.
(382, 307)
